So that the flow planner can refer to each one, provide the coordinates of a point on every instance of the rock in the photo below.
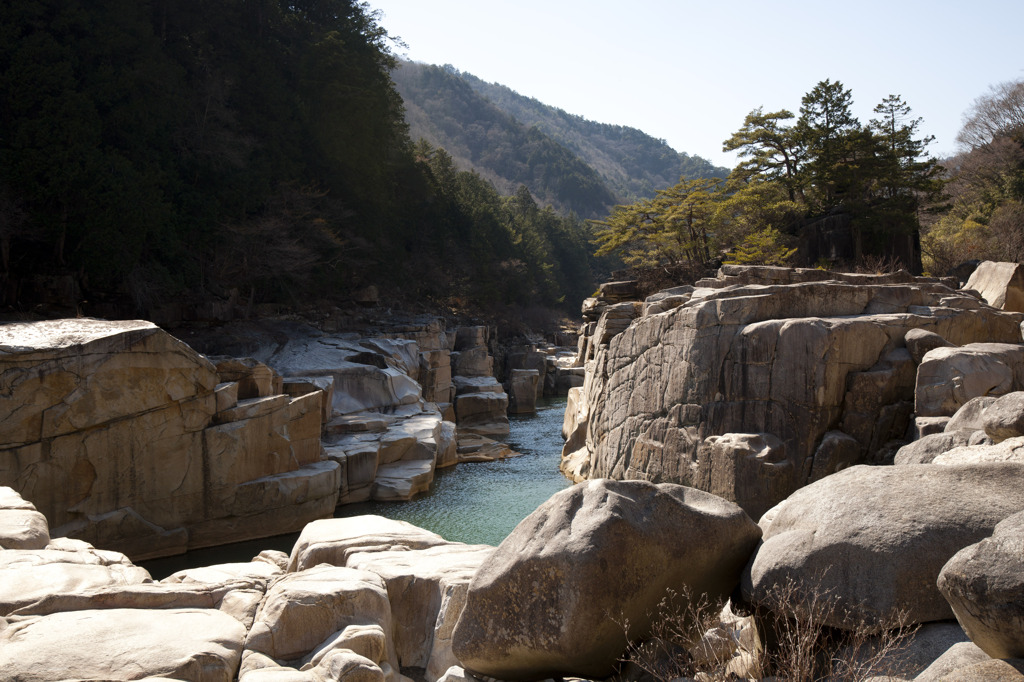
(331, 541)
(1000, 284)
(960, 655)
(427, 590)
(126, 438)
(615, 292)
(219, 573)
(302, 610)
(873, 539)
(749, 469)
(787, 355)
(1004, 418)
(587, 560)
(949, 377)
(522, 396)
(474, 448)
(906, 658)
(484, 414)
(920, 341)
(926, 426)
(122, 644)
(990, 671)
(22, 528)
(1009, 450)
(926, 449)
(984, 583)
(970, 416)
(28, 582)
(667, 299)
(836, 452)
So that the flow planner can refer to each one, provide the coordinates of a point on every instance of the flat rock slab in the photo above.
(331, 541)
(122, 644)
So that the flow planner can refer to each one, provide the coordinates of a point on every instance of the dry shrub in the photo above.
(688, 640)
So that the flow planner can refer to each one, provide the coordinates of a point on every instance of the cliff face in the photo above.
(126, 437)
(804, 376)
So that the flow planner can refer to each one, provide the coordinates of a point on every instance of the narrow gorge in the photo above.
(854, 437)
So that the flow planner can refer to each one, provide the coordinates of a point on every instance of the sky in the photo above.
(689, 72)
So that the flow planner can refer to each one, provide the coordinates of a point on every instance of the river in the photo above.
(475, 503)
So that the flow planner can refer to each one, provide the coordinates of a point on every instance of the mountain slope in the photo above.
(443, 109)
(477, 122)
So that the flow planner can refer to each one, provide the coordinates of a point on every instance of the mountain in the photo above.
(565, 160)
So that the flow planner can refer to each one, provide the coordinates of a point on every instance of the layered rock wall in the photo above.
(126, 437)
(787, 353)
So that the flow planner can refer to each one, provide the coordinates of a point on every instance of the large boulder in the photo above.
(304, 610)
(790, 353)
(556, 596)
(332, 541)
(984, 583)
(1004, 418)
(1000, 284)
(870, 541)
(949, 377)
(427, 589)
(122, 644)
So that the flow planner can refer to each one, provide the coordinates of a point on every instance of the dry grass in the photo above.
(700, 640)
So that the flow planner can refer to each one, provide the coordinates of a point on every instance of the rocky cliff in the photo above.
(753, 384)
(126, 437)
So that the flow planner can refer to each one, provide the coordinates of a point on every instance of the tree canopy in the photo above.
(249, 150)
(793, 171)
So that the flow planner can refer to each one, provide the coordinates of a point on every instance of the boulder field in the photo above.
(908, 508)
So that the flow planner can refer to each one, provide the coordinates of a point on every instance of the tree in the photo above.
(905, 170)
(771, 149)
(672, 228)
(1000, 113)
(830, 134)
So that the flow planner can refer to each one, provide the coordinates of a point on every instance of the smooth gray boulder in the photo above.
(873, 539)
(926, 449)
(971, 415)
(920, 341)
(948, 377)
(122, 644)
(1004, 418)
(984, 583)
(554, 597)
(960, 655)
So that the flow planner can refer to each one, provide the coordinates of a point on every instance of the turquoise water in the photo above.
(475, 503)
(480, 503)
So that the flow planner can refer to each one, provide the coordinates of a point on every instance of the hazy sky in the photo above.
(689, 72)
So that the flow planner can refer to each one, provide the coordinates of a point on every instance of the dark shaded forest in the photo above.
(245, 152)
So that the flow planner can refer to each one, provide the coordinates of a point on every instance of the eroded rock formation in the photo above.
(127, 438)
(815, 360)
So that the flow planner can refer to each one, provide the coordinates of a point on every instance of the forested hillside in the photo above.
(156, 152)
(574, 164)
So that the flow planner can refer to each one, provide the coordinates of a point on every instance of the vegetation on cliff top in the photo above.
(896, 204)
(793, 171)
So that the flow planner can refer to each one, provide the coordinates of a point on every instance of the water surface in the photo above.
(480, 503)
(475, 503)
